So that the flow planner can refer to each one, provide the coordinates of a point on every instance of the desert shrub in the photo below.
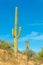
(5, 45)
(30, 54)
(39, 55)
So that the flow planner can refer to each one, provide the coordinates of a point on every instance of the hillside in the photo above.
(7, 58)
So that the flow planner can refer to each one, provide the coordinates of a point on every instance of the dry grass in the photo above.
(7, 58)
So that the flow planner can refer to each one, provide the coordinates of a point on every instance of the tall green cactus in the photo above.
(16, 32)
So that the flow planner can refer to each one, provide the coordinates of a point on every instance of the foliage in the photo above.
(5, 45)
(30, 54)
(39, 55)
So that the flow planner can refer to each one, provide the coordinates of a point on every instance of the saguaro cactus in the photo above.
(16, 32)
(27, 51)
(27, 47)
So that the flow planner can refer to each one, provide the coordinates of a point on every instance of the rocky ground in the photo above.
(7, 58)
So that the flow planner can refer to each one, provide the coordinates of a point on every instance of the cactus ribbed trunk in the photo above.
(15, 46)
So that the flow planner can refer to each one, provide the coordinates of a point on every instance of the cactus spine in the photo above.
(16, 32)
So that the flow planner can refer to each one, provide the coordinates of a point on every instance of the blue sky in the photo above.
(30, 18)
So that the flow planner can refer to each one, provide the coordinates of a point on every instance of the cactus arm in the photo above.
(13, 33)
(19, 32)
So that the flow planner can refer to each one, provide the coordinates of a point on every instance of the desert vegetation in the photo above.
(7, 55)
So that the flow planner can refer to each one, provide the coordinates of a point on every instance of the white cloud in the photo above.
(35, 24)
(40, 37)
(32, 36)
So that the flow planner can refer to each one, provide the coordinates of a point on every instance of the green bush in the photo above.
(5, 45)
(39, 55)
